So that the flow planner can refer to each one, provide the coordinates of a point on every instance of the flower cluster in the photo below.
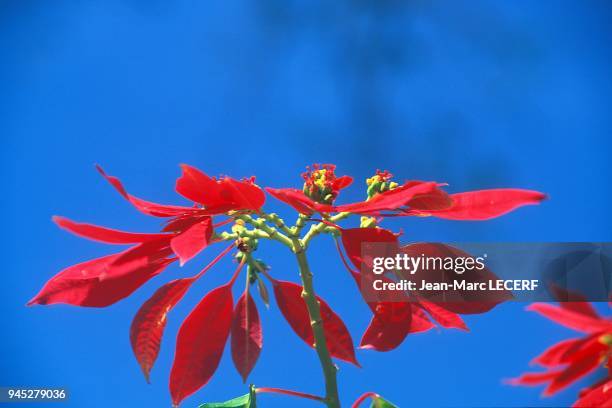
(569, 360)
(189, 229)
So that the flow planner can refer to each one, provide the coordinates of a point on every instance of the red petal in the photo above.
(295, 198)
(200, 343)
(487, 204)
(389, 200)
(102, 234)
(196, 186)
(570, 319)
(353, 238)
(389, 326)
(342, 182)
(444, 317)
(585, 361)
(245, 195)
(420, 322)
(534, 378)
(190, 242)
(600, 397)
(150, 322)
(98, 282)
(293, 307)
(247, 339)
(558, 353)
(146, 207)
(464, 301)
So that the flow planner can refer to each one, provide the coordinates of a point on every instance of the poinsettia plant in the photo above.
(226, 210)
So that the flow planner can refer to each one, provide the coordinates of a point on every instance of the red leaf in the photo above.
(353, 238)
(420, 322)
(341, 183)
(293, 307)
(389, 200)
(558, 353)
(190, 242)
(245, 195)
(247, 339)
(295, 198)
(583, 362)
(102, 234)
(389, 326)
(487, 204)
(600, 397)
(456, 301)
(219, 196)
(436, 199)
(196, 186)
(534, 378)
(98, 282)
(444, 317)
(150, 322)
(146, 207)
(200, 343)
(570, 319)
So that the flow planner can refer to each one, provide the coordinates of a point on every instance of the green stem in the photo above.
(316, 229)
(272, 233)
(314, 312)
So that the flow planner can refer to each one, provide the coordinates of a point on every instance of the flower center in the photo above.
(320, 183)
(380, 182)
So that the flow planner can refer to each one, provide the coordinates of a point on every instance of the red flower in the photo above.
(193, 225)
(570, 360)
(393, 321)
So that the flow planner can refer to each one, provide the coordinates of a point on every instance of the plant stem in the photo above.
(314, 312)
(316, 229)
(289, 392)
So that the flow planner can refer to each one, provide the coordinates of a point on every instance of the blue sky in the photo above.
(477, 94)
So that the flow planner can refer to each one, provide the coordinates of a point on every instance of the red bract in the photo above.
(193, 225)
(149, 323)
(293, 307)
(481, 205)
(458, 301)
(600, 397)
(570, 360)
(392, 200)
(247, 339)
(219, 196)
(103, 281)
(203, 334)
(200, 343)
(393, 321)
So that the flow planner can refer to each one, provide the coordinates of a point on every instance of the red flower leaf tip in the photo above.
(247, 338)
(485, 204)
(294, 309)
(219, 196)
(200, 343)
(146, 207)
(321, 184)
(103, 234)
